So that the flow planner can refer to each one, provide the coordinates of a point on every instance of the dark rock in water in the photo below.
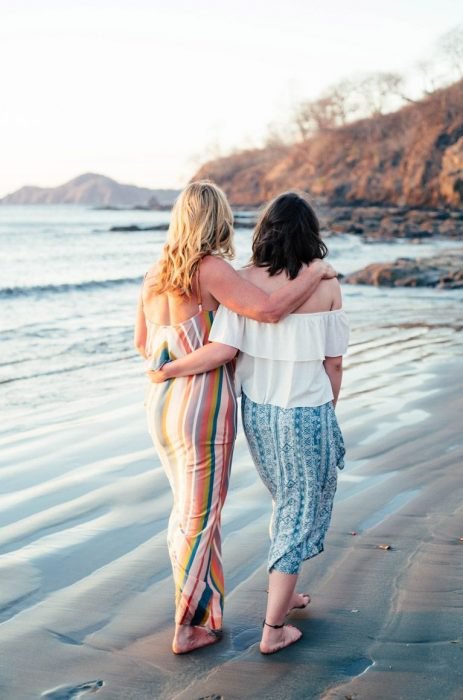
(244, 223)
(134, 227)
(390, 223)
(108, 208)
(245, 219)
(162, 200)
(444, 271)
(353, 228)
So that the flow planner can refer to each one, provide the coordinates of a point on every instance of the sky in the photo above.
(146, 90)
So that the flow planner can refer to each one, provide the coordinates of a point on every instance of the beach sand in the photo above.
(86, 597)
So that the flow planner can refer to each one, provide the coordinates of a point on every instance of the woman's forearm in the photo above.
(202, 360)
(140, 331)
(334, 372)
(141, 349)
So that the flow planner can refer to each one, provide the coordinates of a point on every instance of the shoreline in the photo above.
(87, 593)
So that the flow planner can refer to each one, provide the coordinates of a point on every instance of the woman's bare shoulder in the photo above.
(331, 289)
(331, 285)
(149, 281)
(245, 272)
(213, 262)
(326, 297)
(212, 266)
(153, 270)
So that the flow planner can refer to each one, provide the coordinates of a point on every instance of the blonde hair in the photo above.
(201, 224)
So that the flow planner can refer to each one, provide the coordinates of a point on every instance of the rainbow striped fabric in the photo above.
(192, 421)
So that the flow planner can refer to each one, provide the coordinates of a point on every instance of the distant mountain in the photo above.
(94, 190)
(412, 157)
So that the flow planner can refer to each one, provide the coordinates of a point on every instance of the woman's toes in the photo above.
(299, 601)
(292, 634)
(305, 598)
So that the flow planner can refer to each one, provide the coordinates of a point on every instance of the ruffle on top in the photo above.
(296, 338)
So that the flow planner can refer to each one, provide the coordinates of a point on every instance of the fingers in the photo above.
(329, 272)
(155, 377)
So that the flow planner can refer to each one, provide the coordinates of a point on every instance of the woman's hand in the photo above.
(328, 271)
(156, 376)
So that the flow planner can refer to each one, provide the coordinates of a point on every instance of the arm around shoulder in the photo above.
(243, 297)
(202, 360)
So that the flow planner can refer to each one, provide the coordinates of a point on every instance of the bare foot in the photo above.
(274, 640)
(299, 601)
(188, 638)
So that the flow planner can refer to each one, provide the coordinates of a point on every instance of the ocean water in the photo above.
(69, 288)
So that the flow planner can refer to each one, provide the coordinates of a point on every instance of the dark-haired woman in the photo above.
(290, 377)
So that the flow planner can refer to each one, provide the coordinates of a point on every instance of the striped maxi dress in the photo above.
(192, 421)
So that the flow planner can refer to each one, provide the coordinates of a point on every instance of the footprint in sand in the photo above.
(73, 692)
(245, 639)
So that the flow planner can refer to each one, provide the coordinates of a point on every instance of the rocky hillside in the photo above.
(95, 190)
(413, 157)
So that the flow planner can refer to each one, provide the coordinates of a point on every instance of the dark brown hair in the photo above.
(287, 236)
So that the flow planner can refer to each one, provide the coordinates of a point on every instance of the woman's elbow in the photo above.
(230, 354)
(335, 366)
(334, 363)
(140, 348)
(270, 313)
(267, 318)
(224, 353)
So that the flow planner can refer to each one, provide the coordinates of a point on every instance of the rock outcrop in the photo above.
(134, 227)
(375, 223)
(444, 271)
(412, 157)
(388, 223)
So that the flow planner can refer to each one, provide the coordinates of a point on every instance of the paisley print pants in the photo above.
(297, 452)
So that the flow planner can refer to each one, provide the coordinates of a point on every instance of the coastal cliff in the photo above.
(412, 158)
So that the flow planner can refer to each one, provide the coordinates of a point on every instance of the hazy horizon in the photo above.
(144, 93)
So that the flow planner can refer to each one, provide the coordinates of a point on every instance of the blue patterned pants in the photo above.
(297, 452)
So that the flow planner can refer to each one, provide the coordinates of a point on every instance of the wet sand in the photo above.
(86, 593)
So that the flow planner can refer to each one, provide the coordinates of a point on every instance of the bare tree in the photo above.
(378, 90)
(303, 119)
(347, 100)
(331, 110)
(343, 96)
(430, 80)
(279, 135)
(450, 46)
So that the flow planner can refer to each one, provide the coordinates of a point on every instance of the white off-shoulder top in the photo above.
(282, 363)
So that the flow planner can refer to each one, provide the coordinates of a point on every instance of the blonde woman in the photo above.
(192, 420)
(290, 374)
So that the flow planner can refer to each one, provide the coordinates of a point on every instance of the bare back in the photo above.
(326, 297)
(170, 309)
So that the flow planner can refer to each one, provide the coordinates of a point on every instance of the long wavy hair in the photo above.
(201, 224)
